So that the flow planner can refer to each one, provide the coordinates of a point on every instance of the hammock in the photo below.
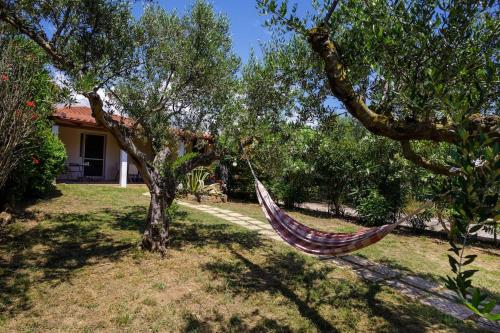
(314, 241)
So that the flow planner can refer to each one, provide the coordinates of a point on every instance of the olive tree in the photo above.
(421, 71)
(407, 70)
(161, 71)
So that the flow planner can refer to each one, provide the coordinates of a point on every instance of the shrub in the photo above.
(292, 189)
(195, 180)
(374, 210)
(419, 221)
(36, 173)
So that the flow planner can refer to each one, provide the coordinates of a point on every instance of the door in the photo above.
(93, 156)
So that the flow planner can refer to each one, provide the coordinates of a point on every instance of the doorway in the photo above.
(93, 155)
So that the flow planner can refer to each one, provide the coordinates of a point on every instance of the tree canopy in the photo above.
(406, 70)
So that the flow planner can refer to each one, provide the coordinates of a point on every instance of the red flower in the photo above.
(34, 116)
(4, 78)
(35, 160)
(30, 104)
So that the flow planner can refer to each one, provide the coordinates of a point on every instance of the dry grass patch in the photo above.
(77, 269)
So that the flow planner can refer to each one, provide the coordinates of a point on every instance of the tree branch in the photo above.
(411, 155)
(200, 160)
(62, 25)
(378, 123)
(38, 37)
(125, 141)
(330, 12)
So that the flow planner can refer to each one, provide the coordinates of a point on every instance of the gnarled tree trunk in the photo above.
(156, 234)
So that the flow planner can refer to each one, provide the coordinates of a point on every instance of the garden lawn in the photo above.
(72, 265)
(404, 249)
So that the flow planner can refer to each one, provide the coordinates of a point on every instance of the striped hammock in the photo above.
(314, 241)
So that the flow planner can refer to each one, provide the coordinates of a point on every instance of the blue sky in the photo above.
(247, 29)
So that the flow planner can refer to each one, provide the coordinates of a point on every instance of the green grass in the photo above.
(72, 265)
(421, 255)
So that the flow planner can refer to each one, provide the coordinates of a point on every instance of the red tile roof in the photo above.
(82, 115)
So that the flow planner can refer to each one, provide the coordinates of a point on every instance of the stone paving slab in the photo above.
(446, 293)
(338, 262)
(235, 214)
(368, 274)
(255, 222)
(420, 283)
(357, 260)
(241, 223)
(406, 289)
(233, 219)
(449, 307)
(267, 226)
(253, 227)
(488, 325)
(386, 272)
(225, 211)
(266, 233)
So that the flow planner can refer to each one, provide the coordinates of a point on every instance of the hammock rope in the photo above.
(315, 241)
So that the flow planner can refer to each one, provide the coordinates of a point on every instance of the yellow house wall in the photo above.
(70, 137)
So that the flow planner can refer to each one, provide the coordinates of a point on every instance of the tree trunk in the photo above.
(156, 235)
(336, 204)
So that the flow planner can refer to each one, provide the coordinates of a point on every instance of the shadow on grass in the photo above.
(53, 249)
(310, 288)
(235, 323)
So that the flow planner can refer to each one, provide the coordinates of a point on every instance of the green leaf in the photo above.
(476, 297)
(488, 306)
(467, 274)
(470, 258)
(491, 316)
(453, 263)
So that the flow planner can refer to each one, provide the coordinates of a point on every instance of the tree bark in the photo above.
(156, 235)
(410, 155)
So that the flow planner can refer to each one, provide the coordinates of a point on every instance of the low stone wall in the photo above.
(208, 198)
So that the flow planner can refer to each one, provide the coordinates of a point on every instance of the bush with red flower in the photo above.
(30, 156)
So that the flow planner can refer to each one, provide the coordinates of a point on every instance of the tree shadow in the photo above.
(245, 277)
(54, 249)
(236, 323)
(311, 288)
(196, 233)
(428, 276)
(52, 252)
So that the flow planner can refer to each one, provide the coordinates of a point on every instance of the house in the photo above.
(94, 154)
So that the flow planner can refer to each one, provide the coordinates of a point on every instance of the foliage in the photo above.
(30, 157)
(407, 58)
(21, 77)
(338, 161)
(374, 210)
(195, 180)
(183, 57)
(474, 193)
(158, 70)
(36, 173)
(419, 221)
